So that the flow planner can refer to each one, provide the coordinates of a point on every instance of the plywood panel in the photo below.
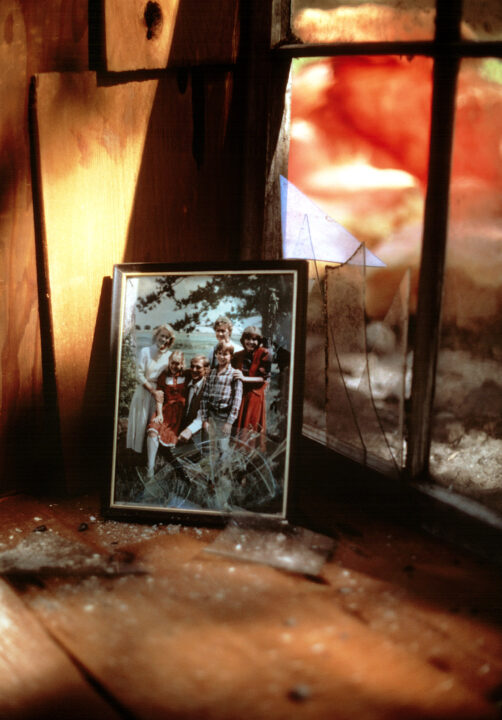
(20, 370)
(91, 142)
(34, 36)
(129, 172)
(154, 35)
(178, 193)
(188, 198)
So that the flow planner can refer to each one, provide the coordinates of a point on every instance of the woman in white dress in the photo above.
(152, 361)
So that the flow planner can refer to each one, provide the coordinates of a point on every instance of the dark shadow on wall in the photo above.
(97, 408)
(187, 204)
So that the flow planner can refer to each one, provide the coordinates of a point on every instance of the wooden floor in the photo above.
(137, 621)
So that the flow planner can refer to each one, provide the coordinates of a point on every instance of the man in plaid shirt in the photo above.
(222, 395)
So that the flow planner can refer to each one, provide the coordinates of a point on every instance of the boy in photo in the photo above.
(222, 394)
(223, 327)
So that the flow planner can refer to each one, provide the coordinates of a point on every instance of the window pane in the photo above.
(347, 407)
(366, 370)
(314, 404)
(466, 451)
(321, 21)
(359, 149)
(482, 20)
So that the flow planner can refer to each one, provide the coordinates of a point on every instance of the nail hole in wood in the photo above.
(153, 20)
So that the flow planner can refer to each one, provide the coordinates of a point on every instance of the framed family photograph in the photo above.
(208, 389)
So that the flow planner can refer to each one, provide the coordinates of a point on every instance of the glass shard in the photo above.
(282, 546)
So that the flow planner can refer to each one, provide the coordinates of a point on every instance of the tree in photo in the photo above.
(268, 296)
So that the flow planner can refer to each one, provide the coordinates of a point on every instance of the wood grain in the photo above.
(34, 37)
(37, 679)
(21, 378)
(390, 633)
(191, 145)
(128, 173)
(57, 35)
(155, 35)
(91, 141)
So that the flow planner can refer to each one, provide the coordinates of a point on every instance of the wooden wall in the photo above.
(134, 162)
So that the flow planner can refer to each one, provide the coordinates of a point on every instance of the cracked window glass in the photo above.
(367, 365)
(314, 403)
(359, 150)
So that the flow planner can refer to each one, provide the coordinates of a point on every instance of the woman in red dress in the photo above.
(164, 425)
(254, 363)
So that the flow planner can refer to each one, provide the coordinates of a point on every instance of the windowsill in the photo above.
(447, 514)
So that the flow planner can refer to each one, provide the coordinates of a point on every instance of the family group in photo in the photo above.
(221, 395)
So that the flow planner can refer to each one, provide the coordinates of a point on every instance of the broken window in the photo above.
(404, 363)
(354, 151)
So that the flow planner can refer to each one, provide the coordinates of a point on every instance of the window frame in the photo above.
(267, 150)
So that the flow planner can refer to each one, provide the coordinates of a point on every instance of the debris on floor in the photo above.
(49, 554)
(279, 545)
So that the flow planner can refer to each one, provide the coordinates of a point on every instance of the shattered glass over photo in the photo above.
(219, 347)
(205, 478)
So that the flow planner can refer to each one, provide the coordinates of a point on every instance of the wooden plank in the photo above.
(37, 679)
(57, 35)
(91, 141)
(20, 358)
(266, 139)
(35, 37)
(187, 202)
(390, 633)
(155, 35)
(125, 176)
(432, 268)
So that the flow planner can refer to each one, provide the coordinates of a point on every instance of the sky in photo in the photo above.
(166, 311)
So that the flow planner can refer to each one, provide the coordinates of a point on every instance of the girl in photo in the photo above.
(164, 425)
(152, 361)
(254, 363)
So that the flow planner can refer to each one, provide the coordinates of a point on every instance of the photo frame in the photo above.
(207, 373)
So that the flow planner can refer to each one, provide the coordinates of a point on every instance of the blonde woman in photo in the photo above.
(151, 362)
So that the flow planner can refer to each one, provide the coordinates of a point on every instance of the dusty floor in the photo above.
(109, 619)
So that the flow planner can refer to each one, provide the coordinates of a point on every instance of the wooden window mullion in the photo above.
(428, 317)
